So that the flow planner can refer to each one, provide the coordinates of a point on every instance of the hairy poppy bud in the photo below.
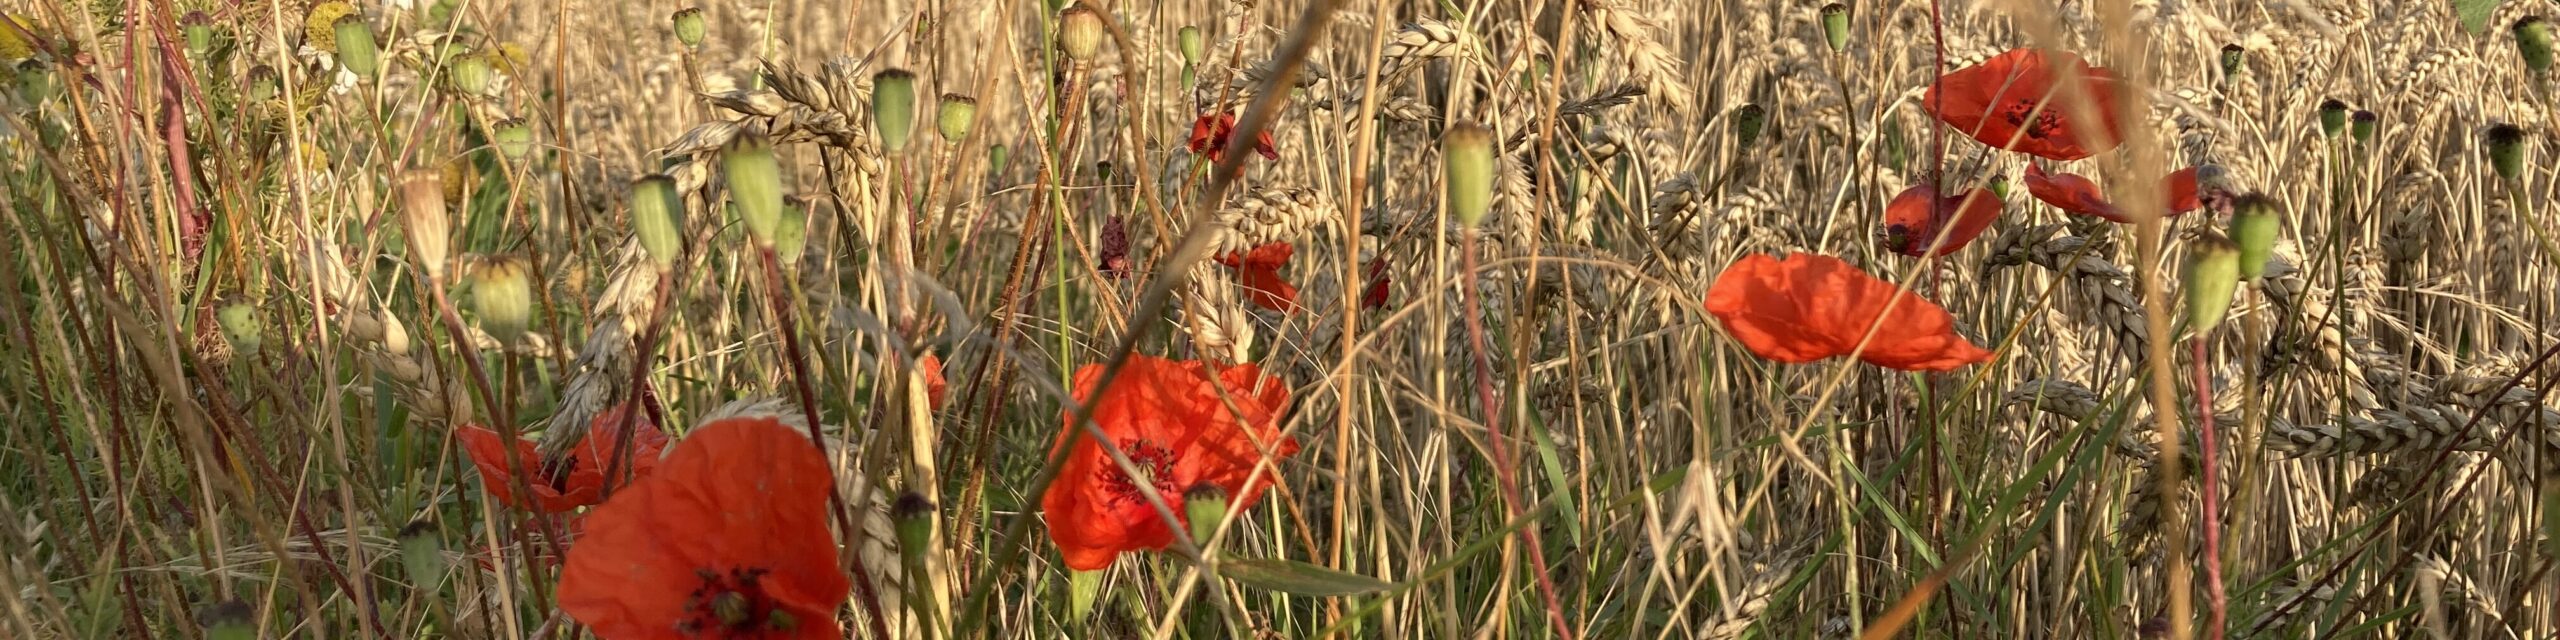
(356, 49)
(689, 27)
(239, 323)
(2233, 56)
(513, 137)
(472, 74)
(657, 216)
(2360, 126)
(1188, 40)
(1466, 159)
(2333, 117)
(229, 620)
(1204, 505)
(1835, 26)
(422, 211)
(2213, 272)
(1080, 33)
(422, 554)
(2506, 150)
(2254, 227)
(199, 32)
(957, 115)
(2533, 41)
(1747, 121)
(755, 185)
(893, 108)
(502, 293)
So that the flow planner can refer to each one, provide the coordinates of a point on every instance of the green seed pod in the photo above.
(893, 108)
(422, 554)
(690, 28)
(1203, 506)
(2255, 224)
(957, 114)
(1188, 39)
(1998, 184)
(2233, 57)
(422, 210)
(262, 85)
(1081, 32)
(229, 620)
(2361, 126)
(239, 322)
(2533, 41)
(2333, 117)
(513, 137)
(1466, 159)
(2506, 150)
(657, 216)
(356, 48)
(2212, 274)
(755, 185)
(199, 32)
(792, 238)
(502, 293)
(1748, 119)
(913, 515)
(472, 74)
(996, 157)
(35, 81)
(1835, 26)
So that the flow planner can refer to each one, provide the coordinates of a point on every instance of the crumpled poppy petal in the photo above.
(490, 453)
(1811, 307)
(1258, 269)
(1185, 423)
(934, 385)
(2077, 194)
(1913, 219)
(1991, 102)
(1376, 295)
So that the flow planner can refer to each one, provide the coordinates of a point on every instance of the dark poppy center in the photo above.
(734, 602)
(1155, 464)
(2045, 123)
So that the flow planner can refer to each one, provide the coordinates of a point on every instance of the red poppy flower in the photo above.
(574, 480)
(1185, 424)
(1376, 295)
(1210, 134)
(1258, 270)
(1913, 220)
(934, 384)
(1992, 102)
(1810, 307)
(728, 540)
(2070, 192)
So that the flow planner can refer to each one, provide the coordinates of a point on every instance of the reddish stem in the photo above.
(2211, 519)
(1493, 408)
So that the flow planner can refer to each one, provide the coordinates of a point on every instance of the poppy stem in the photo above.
(1493, 408)
(787, 324)
(2211, 518)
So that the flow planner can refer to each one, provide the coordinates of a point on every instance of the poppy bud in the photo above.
(1466, 158)
(2233, 55)
(262, 84)
(229, 620)
(755, 185)
(689, 27)
(2533, 40)
(2360, 126)
(513, 137)
(472, 74)
(2333, 117)
(1835, 26)
(1747, 121)
(356, 49)
(657, 216)
(1080, 32)
(1998, 184)
(199, 32)
(502, 293)
(996, 158)
(35, 81)
(958, 113)
(2254, 227)
(914, 517)
(422, 554)
(1188, 40)
(2506, 150)
(1204, 505)
(893, 108)
(422, 210)
(239, 322)
(792, 238)
(2213, 272)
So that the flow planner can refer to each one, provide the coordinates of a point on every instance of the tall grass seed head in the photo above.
(2255, 226)
(430, 227)
(689, 27)
(2333, 117)
(2360, 126)
(513, 137)
(356, 49)
(2534, 42)
(1835, 26)
(1466, 160)
(1188, 41)
(502, 295)
(657, 217)
(2212, 275)
(755, 185)
(1748, 120)
(1080, 32)
(2506, 150)
(955, 116)
(893, 108)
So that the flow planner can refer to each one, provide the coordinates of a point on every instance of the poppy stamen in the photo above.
(1152, 460)
(735, 602)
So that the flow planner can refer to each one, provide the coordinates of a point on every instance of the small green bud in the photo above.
(1748, 119)
(2233, 57)
(2255, 224)
(1998, 184)
(792, 238)
(2333, 117)
(1835, 26)
(422, 211)
(2506, 150)
(513, 137)
(657, 216)
(957, 114)
(263, 85)
(239, 322)
(755, 185)
(1203, 506)
(502, 293)
(2212, 274)
(472, 74)
(2361, 126)
(1080, 32)
(690, 28)
(1188, 40)
(996, 157)
(2533, 41)
(229, 620)
(913, 515)
(356, 48)
(199, 32)
(893, 108)
(422, 554)
(1466, 159)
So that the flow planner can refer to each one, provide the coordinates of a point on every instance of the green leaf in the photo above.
(1292, 577)
(2474, 14)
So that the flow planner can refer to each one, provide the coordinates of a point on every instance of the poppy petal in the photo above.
(1913, 220)
(2070, 192)
(935, 387)
(2011, 102)
(490, 454)
(1183, 426)
(1810, 307)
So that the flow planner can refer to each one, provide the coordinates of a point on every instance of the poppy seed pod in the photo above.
(893, 108)
(229, 620)
(2212, 274)
(657, 216)
(422, 210)
(472, 74)
(502, 293)
(2506, 150)
(199, 32)
(2533, 41)
(1835, 26)
(1466, 160)
(1998, 184)
(2333, 117)
(513, 137)
(792, 238)
(2254, 227)
(755, 185)
(2233, 56)
(262, 84)
(957, 115)
(239, 323)
(689, 27)
(913, 515)
(1748, 119)
(1080, 33)
(1204, 505)
(356, 48)
(2361, 125)
(996, 158)
(1188, 40)
(320, 24)
(422, 554)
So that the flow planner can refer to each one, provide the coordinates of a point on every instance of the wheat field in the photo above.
(273, 263)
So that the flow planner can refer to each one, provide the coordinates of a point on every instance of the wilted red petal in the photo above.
(1211, 135)
(1376, 296)
(554, 490)
(1991, 102)
(1811, 307)
(1186, 423)
(1258, 269)
(2076, 194)
(1913, 220)
(934, 384)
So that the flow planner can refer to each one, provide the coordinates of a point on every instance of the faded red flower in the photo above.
(1185, 424)
(1258, 269)
(1115, 248)
(1811, 307)
(573, 480)
(728, 540)
(1211, 133)
(1997, 102)
(1376, 295)
(2076, 194)
(935, 387)
(1913, 220)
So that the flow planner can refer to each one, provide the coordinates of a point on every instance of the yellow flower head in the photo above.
(13, 47)
(320, 25)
